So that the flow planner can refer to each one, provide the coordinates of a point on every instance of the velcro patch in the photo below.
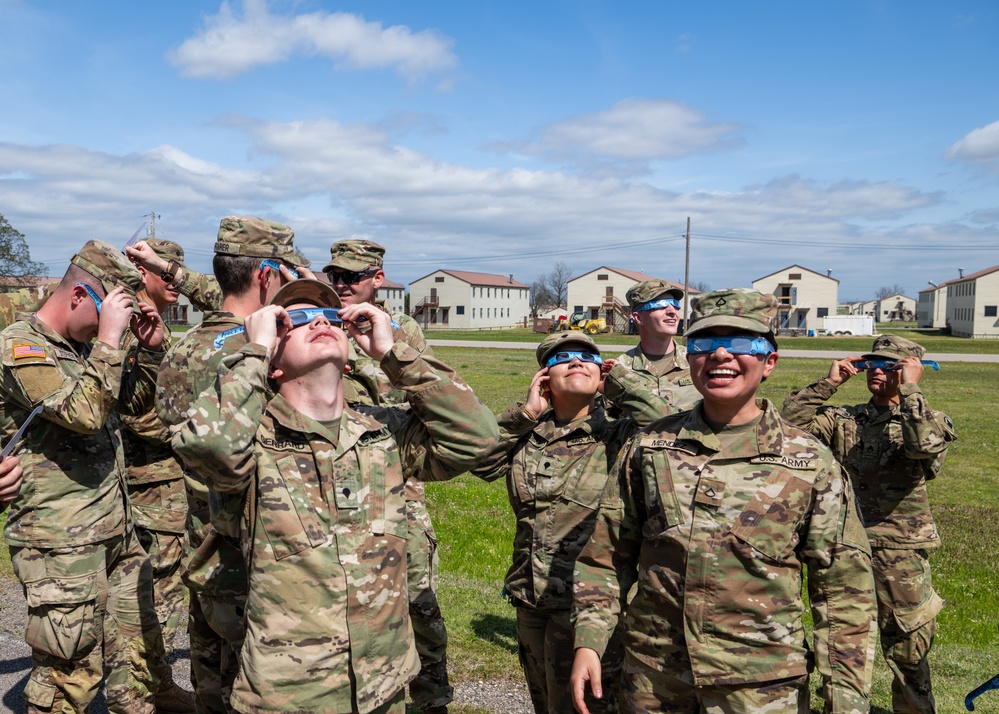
(656, 442)
(23, 351)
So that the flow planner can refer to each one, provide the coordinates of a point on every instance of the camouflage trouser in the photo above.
(650, 690)
(907, 610)
(431, 687)
(216, 630)
(545, 642)
(166, 555)
(87, 604)
(160, 508)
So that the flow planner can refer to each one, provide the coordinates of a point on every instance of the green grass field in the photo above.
(475, 527)
(930, 339)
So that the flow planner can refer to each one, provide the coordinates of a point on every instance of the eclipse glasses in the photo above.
(657, 304)
(733, 344)
(276, 267)
(563, 357)
(90, 291)
(889, 364)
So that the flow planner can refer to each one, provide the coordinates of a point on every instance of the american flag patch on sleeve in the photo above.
(22, 351)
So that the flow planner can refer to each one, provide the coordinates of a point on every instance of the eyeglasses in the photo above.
(657, 304)
(276, 267)
(350, 277)
(734, 344)
(563, 357)
(305, 316)
(888, 365)
(90, 291)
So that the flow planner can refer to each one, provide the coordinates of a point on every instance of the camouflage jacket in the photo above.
(24, 300)
(73, 491)
(189, 368)
(324, 525)
(554, 477)
(675, 386)
(889, 455)
(366, 384)
(718, 541)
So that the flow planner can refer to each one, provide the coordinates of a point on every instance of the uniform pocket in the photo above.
(285, 509)
(769, 524)
(662, 506)
(61, 615)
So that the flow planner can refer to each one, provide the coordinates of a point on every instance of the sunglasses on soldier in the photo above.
(350, 277)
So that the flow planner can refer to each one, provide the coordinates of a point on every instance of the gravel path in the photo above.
(499, 696)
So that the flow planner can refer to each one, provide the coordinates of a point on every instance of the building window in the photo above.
(794, 276)
(577, 308)
(460, 310)
(489, 292)
(603, 276)
(990, 310)
(439, 279)
(822, 312)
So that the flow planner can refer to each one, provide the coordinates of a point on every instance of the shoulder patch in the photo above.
(27, 351)
(791, 462)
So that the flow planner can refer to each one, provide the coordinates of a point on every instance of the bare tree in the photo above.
(557, 282)
(539, 296)
(699, 286)
(884, 292)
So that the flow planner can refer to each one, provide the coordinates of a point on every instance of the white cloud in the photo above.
(230, 45)
(980, 146)
(632, 130)
(330, 181)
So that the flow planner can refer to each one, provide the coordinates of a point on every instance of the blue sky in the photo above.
(503, 136)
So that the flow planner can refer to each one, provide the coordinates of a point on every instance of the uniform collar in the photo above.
(770, 434)
(592, 424)
(353, 424)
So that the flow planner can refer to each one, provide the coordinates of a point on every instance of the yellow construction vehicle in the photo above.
(580, 321)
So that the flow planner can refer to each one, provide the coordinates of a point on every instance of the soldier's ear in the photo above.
(274, 372)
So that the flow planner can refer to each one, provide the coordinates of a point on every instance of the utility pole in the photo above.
(686, 281)
(152, 224)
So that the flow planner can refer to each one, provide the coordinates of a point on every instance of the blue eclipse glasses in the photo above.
(888, 365)
(563, 357)
(90, 291)
(657, 304)
(733, 344)
(276, 267)
(306, 315)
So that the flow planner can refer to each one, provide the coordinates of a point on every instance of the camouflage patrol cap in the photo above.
(314, 292)
(109, 265)
(355, 255)
(894, 347)
(649, 290)
(166, 249)
(258, 238)
(563, 341)
(734, 307)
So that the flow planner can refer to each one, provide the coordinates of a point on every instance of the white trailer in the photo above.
(849, 325)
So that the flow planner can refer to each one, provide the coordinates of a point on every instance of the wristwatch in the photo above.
(170, 272)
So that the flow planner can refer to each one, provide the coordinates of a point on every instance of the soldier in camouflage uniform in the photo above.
(655, 307)
(556, 463)
(154, 477)
(890, 447)
(717, 512)
(86, 578)
(252, 259)
(324, 520)
(165, 260)
(355, 271)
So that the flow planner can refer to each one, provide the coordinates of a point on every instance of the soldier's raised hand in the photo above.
(911, 369)
(266, 326)
(115, 317)
(371, 328)
(538, 394)
(149, 328)
(842, 369)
